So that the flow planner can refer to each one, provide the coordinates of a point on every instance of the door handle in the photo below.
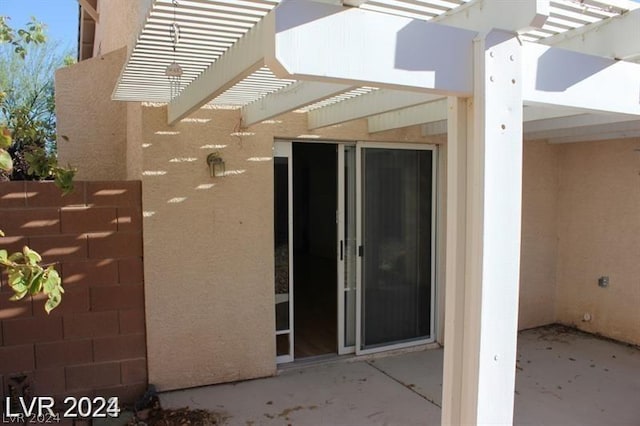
(341, 250)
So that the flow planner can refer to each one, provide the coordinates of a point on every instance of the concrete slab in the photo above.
(564, 377)
(345, 393)
(568, 378)
(420, 371)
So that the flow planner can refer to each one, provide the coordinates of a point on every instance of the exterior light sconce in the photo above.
(216, 165)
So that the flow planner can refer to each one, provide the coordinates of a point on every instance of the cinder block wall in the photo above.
(94, 343)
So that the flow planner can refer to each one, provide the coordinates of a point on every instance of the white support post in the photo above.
(460, 116)
(483, 239)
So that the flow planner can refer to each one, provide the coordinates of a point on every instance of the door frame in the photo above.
(284, 148)
(359, 350)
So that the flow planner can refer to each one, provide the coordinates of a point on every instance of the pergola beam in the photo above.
(358, 47)
(366, 105)
(581, 120)
(584, 130)
(424, 113)
(611, 38)
(239, 61)
(288, 99)
(596, 136)
(477, 15)
(485, 15)
(554, 76)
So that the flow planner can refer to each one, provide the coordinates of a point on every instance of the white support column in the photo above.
(460, 115)
(483, 239)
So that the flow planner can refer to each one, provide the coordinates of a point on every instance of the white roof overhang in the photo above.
(303, 56)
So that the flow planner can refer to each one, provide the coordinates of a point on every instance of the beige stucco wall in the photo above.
(119, 25)
(91, 127)
(539, 234)
(599, 234)
(134, 141)
(209, 244)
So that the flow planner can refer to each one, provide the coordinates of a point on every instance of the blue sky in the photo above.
(60, 16)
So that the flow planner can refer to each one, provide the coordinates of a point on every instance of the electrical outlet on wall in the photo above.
(603, 281)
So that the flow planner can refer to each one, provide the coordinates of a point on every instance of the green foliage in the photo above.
(27, 277)
(18, 40)
(27, 103)
(27, 130)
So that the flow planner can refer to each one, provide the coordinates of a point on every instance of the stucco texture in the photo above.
(120, 23)
(539, 234)
(92, 132)
(599, 235)
(209, 243)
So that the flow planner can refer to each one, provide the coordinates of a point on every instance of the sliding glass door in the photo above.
(396, 246)
(382, 266)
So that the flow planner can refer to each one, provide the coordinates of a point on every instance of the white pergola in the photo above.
(486, 72)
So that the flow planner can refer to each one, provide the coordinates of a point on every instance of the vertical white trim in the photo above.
(455, 259)
(285, 149)
(441, 232)
(434, 234)
(358, 244)
(341, 241)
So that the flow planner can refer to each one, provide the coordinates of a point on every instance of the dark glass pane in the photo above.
(397, 206)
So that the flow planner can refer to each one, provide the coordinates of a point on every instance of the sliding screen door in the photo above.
(396, 239)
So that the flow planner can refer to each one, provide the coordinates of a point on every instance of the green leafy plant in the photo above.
(33, 33)
(28, 277)
(32, 125)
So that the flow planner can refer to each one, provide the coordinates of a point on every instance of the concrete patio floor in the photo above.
(564, 377)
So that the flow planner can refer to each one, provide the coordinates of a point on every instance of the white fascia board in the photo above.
(556, 124)
(366, 105)
(593, 137)
(597, 125)
(537, 112)
(288, 99)
(581, 120)
(239, 61)
(560, 77)
(617, 37)
(322, 42)
(485, 15)
(435, 128)
(435, 111)
(354, 3)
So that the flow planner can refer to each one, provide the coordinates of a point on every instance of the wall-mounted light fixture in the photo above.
(216, 164)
